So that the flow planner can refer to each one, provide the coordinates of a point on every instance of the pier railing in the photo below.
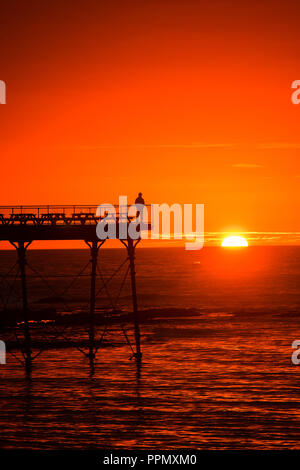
(58, 214)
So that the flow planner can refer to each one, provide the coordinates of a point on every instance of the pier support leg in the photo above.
(21, 249)
(94, 248)
(131, 254)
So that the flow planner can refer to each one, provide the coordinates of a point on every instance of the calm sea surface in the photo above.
(216, 370)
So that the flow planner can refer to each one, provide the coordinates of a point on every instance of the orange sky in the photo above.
(185, 101)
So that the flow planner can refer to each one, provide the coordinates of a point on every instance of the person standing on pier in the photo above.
(140, 202)
(139, 199)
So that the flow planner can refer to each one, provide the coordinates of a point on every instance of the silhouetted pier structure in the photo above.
(22, 225)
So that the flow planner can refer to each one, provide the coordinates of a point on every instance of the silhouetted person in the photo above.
(139, 200)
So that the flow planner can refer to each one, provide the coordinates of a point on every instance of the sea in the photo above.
(217, 327)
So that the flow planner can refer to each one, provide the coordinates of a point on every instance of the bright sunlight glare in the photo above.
(234, 241)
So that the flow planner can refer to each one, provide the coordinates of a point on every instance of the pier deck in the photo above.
(69, 222)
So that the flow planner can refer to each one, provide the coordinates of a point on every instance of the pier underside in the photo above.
(21, 226)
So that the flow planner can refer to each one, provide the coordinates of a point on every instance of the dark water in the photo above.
(219, 377)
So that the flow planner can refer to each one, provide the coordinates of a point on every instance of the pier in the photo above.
(21, 226)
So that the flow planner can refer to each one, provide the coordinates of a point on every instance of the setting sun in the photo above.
(234, 241)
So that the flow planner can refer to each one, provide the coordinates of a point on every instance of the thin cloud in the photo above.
(193, 145)
(247, 165)
(279, 145)
(201, 145)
